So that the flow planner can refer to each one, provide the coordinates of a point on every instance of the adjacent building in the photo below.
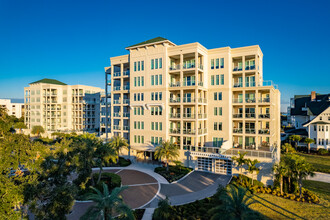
(211, 103)
(13, 108)
(57, 106)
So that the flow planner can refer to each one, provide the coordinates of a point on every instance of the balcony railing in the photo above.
(116, 101)
(116, 88)
(188, 66)
(250, 84)
(126, 87)
(237, 100)
(174, 84)
(175, 100)
(189, 131)
(268, 83)
(188, 99)
(188, 115)
(266, 116)
(202, 100)
(236, 68)
(126, 73)
(202, 115)
(264, 100)
(251, 67)
(126, 101)
(250, 115)
(250, 131)
(175, 131)
(175, 115)
(126, 128)
(238, 115)
(116, 74)
(200, 83)
(174, 67)
(202, 131)
(264, 131)
(115, 114)
(116, 127)
(250, 100)
(126, 114)
(238, 130)
(249, 153)
(200, 66)
(189, 83)
(237, 84)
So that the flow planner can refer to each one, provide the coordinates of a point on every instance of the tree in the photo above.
(252, 167)
(280, 171)
(302, 170)
(309, 141)
(240, 162)
(107, 205)
(118, 143)
(104, 153)
(168, 151)
(37, 129)
(164, 210)
(235, 204)
(20, 126)
(287, 148)
(296, 139)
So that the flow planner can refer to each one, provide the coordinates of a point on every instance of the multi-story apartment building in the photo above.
(210, 103)
(60, 107)
(13, 108)
(105, 116)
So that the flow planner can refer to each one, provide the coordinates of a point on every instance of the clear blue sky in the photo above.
(72, 40)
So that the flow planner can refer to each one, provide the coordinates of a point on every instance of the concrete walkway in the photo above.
(322, 177)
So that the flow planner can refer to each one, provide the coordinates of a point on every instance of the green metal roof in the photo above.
(49, 81)
(153, 40)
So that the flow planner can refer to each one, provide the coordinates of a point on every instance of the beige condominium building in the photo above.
(13, 108)
(211, 103)
(57, 106)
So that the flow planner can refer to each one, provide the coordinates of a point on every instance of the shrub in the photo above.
(111, 179)
(175, 172)
(322, 151)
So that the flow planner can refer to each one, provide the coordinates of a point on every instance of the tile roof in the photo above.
(153, 40)
(49, 81)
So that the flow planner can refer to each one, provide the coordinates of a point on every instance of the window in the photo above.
(215, 96)
(142, 65)
(160, 96)
(138, 65)
(212, 64)
(217, 63)
(212, 80)
(217, 111)
(217, 142)
(320, 118)
(152, 96)
(160, 63)
(217, 80)
(222, 65)
(142, 80)
(152, 64)
(152, 126)
(314, 127)
(222, 79)
(138, 81)
(135, 81)
(160, 79)
(142, 96)
(217, 126)
(152, 80)
(220, 96)
(156, 80)
(134, 66)
(156, 63)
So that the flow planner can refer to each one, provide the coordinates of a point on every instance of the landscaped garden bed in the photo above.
(174, 173)
(121, 163)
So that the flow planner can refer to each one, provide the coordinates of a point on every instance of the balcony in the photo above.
(202, 100)
(237, 84)
(268, 83)
(237, 100)
(175, 100)
(174, 67)
(264, 100)
(116, 88)
(250, 84)
(264, 131)
(174, 131)
(250, 100)
(176, 115)
(116, 74)
(188, 115)
(202, 116)
(116, 101)
(126, 101)
(238, 130)
(189, 131)
(264, 116)
(126, 128)
(238, 115)
(250, 115)
(116, 127)
(251, 67)
(116, 114)
(126, 114)
(174, 84)
(202, 131)
(250, 130)
(126, 87)
(188, 100)
(189, 83)
(237, 68)
(126, 73)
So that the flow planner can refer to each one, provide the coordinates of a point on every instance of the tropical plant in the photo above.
(118, 143)
(287, 148)
(252, 167)
(168, 151)
(240, 160)
(107, 205)
(235, 204)
(104, 153)
(309, 141)
(37, 129)
(20, 126)
(164, 210)
(280, 171)
(296, 139)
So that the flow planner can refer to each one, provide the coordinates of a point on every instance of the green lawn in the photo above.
(275, 207)
(320, 163)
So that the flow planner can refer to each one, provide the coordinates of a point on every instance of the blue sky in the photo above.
(72, 40)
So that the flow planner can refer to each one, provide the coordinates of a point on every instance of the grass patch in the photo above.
(175, 172)
(320, 163)
(121, 163)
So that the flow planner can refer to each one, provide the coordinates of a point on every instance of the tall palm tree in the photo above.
(118, 143)
(235, 204)
(240, 162)
(107, 205)
(104, 153)
(20, 126)
(309, 141)
(302, 170)
(280, 171)
(296, 139)
(168, 151)
(252, 167)
(288, 148)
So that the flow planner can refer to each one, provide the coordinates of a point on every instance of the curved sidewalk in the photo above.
(322, 177)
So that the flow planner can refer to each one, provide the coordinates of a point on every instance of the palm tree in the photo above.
(280, 171)
(240, 162)
(296, 139)
(235, 204)
(37, 129)
(309, 141)
(252, 167)
(20, 126)
(163, 212)
(104, 153)
(288, 148)
(302, 170)
(168, 151)
(117, 143)
(107, 205)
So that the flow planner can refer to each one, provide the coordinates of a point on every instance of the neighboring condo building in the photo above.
(210, 103)
(319, 130)
(57, 106)
(13, 108)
